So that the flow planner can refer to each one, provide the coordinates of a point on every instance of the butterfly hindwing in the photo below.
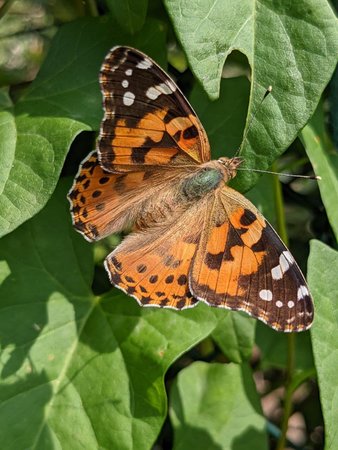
(242, 264)
(154, 266)
(148, 122)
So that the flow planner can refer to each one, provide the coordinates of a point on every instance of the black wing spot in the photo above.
(103, 180)
(180, 304)
(248, 217)
(182, 280)
(96, 194)
(129, 279)
(141, 268)
(190, 133)
(214, 261)
(117, 264)
(169, 279)
(138, 155)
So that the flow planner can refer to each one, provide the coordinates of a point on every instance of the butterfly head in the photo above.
(230, 165)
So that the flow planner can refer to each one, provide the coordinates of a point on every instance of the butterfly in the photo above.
(193, 239)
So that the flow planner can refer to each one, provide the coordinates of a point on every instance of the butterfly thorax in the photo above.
(209, 177)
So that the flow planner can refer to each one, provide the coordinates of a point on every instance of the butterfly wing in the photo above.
(103, 203)
(147, 122)
(242, 264)
(153, 267)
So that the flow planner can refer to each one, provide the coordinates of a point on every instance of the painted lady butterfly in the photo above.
(194, 238)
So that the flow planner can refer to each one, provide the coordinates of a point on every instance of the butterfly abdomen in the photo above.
(202, 182)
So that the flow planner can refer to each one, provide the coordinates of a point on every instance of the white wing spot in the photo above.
(302, 292)
(171, 85)
(164, 88)
(155, 91)
(265, 294)
(152, 93)
(128, 98)
(279, 304)
(283, 262)
(288, 256)
(125, 83)
(291, 304)
(144, 64)
(277, 273)
(129, 72)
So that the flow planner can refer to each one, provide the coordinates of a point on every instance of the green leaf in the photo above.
(30, 163)
(68, 82)
(292, 46)
(322, 276)
(64, 100)
(72, 361)
(274, 349)
(224, 118)
(324, 160)
(262, 195)
(130, 14)
(235, 335)
(7, 146)
(216, 406)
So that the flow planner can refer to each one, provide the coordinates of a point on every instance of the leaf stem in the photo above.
(291, 338)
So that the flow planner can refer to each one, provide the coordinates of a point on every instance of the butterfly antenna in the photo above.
(267, 92)
(308, 177)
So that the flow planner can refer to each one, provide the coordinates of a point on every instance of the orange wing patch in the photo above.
(157, 273)
(187, 133)
(151, 142)
(225, 254)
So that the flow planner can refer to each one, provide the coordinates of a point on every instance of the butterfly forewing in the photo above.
(147, 122)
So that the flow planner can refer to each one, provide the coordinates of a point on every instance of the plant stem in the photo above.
(291, 338)
(288, 390)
